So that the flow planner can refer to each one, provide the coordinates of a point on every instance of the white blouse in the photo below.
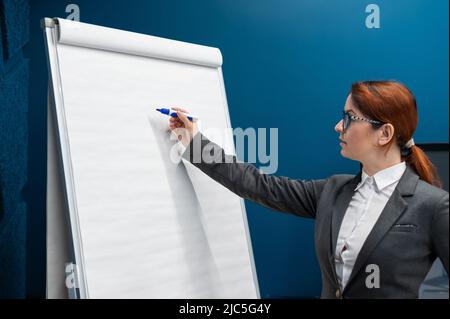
(366, 205)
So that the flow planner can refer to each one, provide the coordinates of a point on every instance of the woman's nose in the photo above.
(338, 127)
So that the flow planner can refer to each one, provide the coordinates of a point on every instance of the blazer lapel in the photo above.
(391, 212)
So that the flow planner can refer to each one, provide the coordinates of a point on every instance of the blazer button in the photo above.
(338, 294)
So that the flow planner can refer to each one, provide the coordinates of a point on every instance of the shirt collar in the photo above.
(385, 177)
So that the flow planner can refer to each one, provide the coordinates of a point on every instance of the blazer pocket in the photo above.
(407, 228)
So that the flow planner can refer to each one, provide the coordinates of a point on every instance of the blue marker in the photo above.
(173, 113)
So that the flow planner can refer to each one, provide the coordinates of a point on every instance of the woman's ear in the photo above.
(386, 133)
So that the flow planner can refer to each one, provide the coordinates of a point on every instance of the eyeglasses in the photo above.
(347, 118)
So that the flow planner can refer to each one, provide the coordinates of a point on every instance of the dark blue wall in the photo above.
(298, 54)
(14, 72)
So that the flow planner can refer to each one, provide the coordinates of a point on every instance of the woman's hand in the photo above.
(182, 126)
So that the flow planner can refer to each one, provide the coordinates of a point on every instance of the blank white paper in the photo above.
(149, 228)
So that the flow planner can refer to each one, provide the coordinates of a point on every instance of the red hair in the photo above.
(392, 102)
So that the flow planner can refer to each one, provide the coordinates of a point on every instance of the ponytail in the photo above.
(421, 164)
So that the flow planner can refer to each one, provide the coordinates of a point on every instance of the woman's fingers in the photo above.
(180, 109)
(176, 124)
(181, 117)
(175, 121)
(184, 119)
(181, 121)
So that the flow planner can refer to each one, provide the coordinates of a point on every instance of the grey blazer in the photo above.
(411, 232)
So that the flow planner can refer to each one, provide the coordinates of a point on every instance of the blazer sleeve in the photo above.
(439, 231)
(298, 197)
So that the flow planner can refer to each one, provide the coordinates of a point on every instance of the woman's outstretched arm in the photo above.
(279, 193)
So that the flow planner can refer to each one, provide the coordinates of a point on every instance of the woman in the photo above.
(376, 233)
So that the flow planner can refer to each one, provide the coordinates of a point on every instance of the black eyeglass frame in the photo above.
(347, 118)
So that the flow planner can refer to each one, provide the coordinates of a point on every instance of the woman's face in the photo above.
(359, 140)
